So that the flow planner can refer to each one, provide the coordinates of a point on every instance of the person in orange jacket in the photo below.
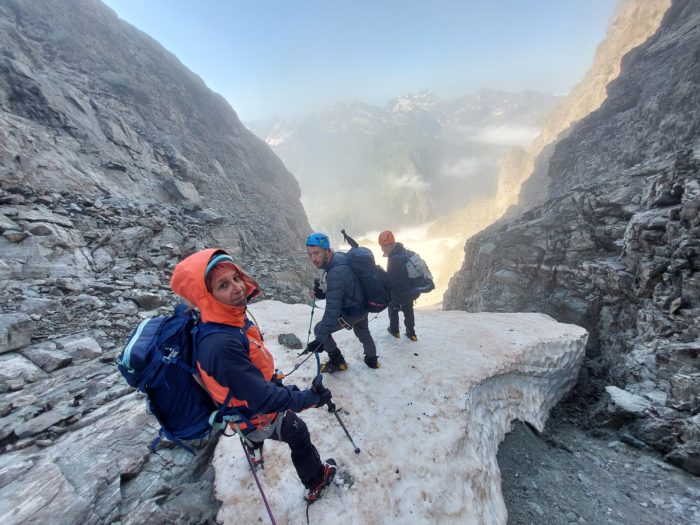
(235, 365)
(403, 290)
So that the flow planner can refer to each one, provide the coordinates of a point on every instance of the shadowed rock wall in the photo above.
(616, 246)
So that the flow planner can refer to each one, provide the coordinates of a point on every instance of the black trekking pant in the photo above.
(305, 457)
(360, 326)
(408, 318)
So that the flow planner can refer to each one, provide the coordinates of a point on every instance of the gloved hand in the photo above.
(318, 292)
(324, 393)
(324, 397)
(313, 346)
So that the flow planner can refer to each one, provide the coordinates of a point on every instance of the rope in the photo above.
(257, 481)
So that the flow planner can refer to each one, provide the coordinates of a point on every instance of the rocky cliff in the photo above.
(522, 172)
(92, 105)
(616, 247)
(521, 183)
(115, 163)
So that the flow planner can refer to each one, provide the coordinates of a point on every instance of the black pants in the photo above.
(408, 318)
(305, 457)
(360, 326)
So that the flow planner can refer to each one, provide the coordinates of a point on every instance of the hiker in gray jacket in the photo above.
(344, 306)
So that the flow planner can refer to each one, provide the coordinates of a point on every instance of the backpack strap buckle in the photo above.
(172, 355)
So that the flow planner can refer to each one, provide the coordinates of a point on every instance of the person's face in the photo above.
(229, 288)
(317, 255)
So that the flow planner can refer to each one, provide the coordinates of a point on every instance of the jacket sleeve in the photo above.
(335, 291)
(229, 364)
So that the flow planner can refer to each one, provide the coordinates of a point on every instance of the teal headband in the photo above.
(222, 257)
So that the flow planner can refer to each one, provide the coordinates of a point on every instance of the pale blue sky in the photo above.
(290, 58)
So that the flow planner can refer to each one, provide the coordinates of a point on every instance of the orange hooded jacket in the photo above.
(188, 282)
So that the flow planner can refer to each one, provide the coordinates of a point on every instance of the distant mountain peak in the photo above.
(410, 102)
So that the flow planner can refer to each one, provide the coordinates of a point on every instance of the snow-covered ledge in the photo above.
(429, 421)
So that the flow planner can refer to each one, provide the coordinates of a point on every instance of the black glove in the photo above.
(318, 292)
(324, 393)
(324, 397)
(313, 346)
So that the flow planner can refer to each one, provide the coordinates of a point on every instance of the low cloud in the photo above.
(463, 168)
(409, 181)
(507, 135)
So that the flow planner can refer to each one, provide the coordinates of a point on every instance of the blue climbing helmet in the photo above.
(319, 239)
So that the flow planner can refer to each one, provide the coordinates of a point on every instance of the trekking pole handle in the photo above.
(317, 383)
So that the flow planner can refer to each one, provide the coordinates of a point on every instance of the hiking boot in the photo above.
(395, 333)
(329, 468)
(329, 367)
(412, 337)
(372, 362)
(255, 455)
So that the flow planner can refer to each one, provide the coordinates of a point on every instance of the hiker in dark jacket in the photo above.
(403, 291)
(344, 306)
(235, 365)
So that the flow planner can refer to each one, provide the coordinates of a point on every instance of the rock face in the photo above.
(523, 174)
(615, 247)
(91, 105)
(521, 183)
(115, 163)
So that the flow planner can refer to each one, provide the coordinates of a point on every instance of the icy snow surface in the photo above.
(428, 422)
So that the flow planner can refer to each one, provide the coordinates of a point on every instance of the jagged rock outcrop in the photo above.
(615, 248)
(522, 174)
(115, 163)
(634, 22)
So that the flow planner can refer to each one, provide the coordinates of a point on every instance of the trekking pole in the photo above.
(317, 285)
(331, 408)
(318, 383)
(311, 320)
(257, 481)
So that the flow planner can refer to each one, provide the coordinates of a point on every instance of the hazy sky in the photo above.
(292, 57)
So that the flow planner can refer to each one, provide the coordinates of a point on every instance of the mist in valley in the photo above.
(408, 166)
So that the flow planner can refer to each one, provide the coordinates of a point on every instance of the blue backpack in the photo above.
(160, 360)
(374, 280)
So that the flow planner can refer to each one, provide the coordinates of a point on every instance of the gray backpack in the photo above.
(419, 273)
